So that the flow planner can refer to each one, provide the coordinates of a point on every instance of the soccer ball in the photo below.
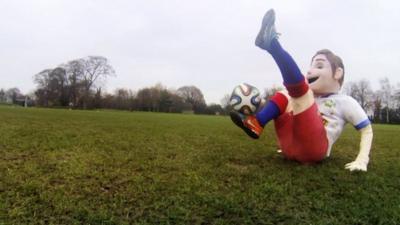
(245, 99)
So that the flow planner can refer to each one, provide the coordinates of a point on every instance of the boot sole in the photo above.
(268, 21)
(236, 119)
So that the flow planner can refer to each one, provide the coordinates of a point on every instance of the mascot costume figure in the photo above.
(310, 114)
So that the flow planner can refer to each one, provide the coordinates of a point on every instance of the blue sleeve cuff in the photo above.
(362, 124)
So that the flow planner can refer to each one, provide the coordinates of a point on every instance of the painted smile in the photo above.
(312, 79)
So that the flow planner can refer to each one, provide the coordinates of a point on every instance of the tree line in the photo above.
(78, 84)
(382, 105)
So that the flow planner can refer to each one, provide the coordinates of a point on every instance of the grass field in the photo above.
(108, 167)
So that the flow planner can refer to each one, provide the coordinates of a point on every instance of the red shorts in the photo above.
(302, 137)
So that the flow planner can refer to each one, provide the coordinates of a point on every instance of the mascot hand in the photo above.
(356, 165)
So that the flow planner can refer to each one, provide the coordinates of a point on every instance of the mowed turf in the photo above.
(110, 167)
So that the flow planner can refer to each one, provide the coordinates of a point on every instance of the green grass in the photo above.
(108, 167)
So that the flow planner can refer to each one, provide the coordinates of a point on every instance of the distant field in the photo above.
(109, 167)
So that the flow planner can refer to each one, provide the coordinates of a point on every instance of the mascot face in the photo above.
(321, 78)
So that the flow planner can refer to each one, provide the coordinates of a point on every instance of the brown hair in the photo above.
(334, 60)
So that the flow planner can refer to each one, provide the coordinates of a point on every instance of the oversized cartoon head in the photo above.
(326, 73)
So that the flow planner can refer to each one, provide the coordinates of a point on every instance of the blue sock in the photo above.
(290, 71)
(269, 112)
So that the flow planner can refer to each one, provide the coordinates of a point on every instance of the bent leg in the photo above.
(303, 102)
(309, 135)
(293, 79)
(302, 137)
(284, 131)
(291, 73)
(267, 39)
(274, 108)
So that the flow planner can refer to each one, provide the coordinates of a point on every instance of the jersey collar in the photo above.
(326, 95)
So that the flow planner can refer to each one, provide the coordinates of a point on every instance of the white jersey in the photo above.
(336, 111)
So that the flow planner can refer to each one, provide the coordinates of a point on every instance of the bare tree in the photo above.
(42, 78)
(396, 93)
(13, 94)
(360, 91)
(225, 102)
(58, 86)
(76, 83)
(122, 98)
(95, 69)
(377, 106)
(144, 99)
(2, 95)
(97, 100)
(386, 96)
(52, 87)
(75, 71)
(193, 96)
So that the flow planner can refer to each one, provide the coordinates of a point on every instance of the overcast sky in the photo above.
(206, 43)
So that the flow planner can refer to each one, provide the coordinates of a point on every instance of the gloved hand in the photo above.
(361, 162)
(357, 165)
